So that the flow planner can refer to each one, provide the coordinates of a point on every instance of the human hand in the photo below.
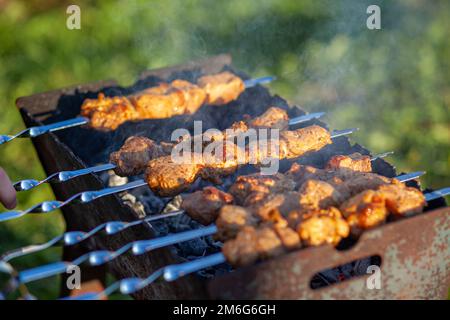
(7, 192)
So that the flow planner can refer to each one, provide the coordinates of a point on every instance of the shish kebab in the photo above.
(98, 257)
(162, 101)
(210, 209)
(175, 271)
(137, 151)
(172, 178)
(260, 243)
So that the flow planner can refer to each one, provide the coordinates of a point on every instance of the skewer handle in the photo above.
(176, 271)
(89, 196)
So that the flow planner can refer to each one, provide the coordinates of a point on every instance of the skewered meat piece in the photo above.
(371, 207)
(323, 227)
(402, 200)
(134, 155)
(232, 219)
(273, 118)
(108, 112)
(365, 210)
(252, 244)
(295, 143)
(163, 101)
(315, 194)
(167, 178)
(204, 205)
(221, 88)
(250, 189)
(168, 100)
(354, 162)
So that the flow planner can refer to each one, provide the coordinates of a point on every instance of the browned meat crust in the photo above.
(163, 101)
(232, 219)
(221, 88)
(134, 155)
(204, 205)
(354, 162)
(323, 227)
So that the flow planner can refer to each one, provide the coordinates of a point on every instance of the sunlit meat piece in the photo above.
(167, 178)
(108, 112)
(274, 118)
(232, 219)
(365, 210)
(221, 88)
(316, 194)
(204, 205)
(250, 189)
(323, 227)
(168, 100)
(133, 156)
(371, 207)
(402, 200)
(354, 162)
(296, 143)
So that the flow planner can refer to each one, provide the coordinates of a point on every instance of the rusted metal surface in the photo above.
(415, 256)
(415, 251)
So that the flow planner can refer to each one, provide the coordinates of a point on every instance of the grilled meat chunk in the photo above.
(298, 142)
(323, 227)
(402, 200)
(250, 189)
(204, 205)
(273, 118)
(231, 220)
(316, 194)
(365, 210)
(252, 244)
(134, 155)
(167, 178)
(221, 88)
(370, 208)
(108, 112)
(354, 162)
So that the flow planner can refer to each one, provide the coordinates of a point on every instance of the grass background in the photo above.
(393, 83)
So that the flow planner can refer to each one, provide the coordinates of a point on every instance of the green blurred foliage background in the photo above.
(393, 83)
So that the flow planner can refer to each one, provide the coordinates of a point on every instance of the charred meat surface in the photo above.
(133, 156)
(204, 205)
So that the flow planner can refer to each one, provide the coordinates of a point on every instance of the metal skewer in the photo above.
(40, 130)
(82, 197)
(79, 121)
(175, 271)
(99, 257)
(96, 258)
(63, 176)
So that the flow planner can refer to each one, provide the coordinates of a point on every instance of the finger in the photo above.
(7, 192)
